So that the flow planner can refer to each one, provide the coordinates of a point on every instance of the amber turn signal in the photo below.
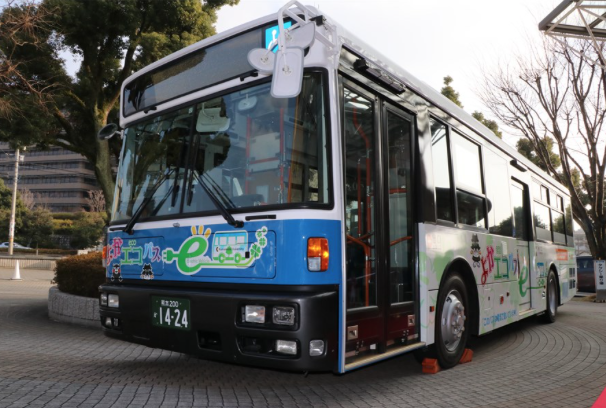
(104, 256)
(317, 254)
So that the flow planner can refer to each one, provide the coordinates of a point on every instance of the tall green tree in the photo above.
(6, 199)
(31, 74)
(37, 228)
(87, 230)
(113, 39)
(449, 92)
(29, 68)
(490, 124)
(545, 156)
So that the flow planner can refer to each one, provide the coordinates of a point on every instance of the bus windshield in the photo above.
(246, 148)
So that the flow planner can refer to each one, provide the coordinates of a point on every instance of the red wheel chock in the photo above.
(430, 366)
(467, 356)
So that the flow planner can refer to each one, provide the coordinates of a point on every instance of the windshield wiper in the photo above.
(218, 204)
(150, 195)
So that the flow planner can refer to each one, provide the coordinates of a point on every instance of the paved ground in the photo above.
(43, 363)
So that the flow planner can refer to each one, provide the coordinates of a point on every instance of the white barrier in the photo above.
(27, 263)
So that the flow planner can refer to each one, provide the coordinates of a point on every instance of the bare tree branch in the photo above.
(560, 95)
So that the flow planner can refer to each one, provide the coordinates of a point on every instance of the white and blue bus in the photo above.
(371, 216)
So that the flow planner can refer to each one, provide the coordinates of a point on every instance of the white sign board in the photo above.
(600, 275)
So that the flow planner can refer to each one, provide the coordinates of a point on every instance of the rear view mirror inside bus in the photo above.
(212, 120)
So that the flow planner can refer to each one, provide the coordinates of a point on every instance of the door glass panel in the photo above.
(359, 200)
(400, 211)
(519, 211)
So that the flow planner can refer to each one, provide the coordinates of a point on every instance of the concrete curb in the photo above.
(66, 308)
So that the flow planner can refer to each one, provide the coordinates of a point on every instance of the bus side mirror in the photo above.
(108, 131)
(287, 64)
(288, 73)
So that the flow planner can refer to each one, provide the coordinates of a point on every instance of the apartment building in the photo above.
(58, 178)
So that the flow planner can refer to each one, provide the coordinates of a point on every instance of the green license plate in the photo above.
(172, 313)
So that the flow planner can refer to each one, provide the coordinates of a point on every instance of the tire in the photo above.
(452, 324)
(551, 308)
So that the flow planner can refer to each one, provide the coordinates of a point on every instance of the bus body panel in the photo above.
(216, 292)
(215, 328)
(268, 252)
(562, 259)
(503, 277)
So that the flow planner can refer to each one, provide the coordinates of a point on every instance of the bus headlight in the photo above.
(104, 299)
(113, 300)
(284, 315)
(254, 314)
(286, 347)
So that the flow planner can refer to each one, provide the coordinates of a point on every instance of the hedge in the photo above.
(80, 275)
(65, 216)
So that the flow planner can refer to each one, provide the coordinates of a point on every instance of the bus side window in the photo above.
(542, 221)
(518, 204)
(568, 223)
(441, 171)
(499, 206)
(470, 193)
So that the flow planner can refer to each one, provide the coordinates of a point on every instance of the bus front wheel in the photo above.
(452, 328)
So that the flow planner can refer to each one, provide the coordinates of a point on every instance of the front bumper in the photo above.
(217, 331)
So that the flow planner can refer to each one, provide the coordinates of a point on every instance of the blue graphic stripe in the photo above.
(264, 252)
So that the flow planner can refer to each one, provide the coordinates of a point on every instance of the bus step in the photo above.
(365, 360)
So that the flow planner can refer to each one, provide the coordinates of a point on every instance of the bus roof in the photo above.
(355, 44)
(422, 89)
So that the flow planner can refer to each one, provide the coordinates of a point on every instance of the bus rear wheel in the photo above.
(452, 328)
(552, 298)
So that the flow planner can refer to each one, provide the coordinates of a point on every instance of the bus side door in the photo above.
(380, 285)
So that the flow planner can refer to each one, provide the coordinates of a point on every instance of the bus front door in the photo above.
(378, 219)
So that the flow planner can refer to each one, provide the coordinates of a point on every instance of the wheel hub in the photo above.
(453, 320)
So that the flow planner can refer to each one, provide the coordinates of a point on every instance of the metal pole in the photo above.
(11, 229)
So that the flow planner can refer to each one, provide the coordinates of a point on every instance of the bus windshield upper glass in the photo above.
(195, 71)
(246, 148)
